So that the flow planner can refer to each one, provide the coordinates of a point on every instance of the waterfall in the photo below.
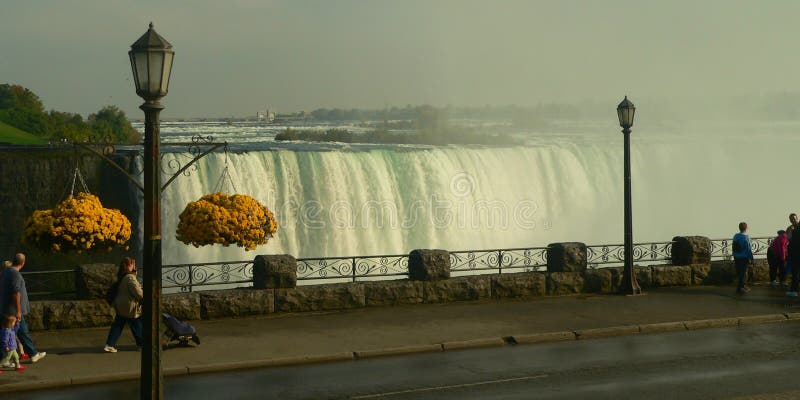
(390, 200)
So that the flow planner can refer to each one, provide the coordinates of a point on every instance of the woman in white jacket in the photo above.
(127, 304)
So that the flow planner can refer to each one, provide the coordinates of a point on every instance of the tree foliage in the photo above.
(111, 121)
(22, 109)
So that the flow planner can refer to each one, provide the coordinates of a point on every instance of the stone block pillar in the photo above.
(93, 280)
(428, 265)
(274, 272)
(688, 250)
(566, 257)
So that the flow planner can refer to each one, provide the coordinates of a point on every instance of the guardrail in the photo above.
(229, 274)
(524, 259)
(393, 266)
(50, 284)
(721, 248)
(188, 277)
(599, 256)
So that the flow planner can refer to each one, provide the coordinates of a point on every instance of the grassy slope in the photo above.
(13, 135)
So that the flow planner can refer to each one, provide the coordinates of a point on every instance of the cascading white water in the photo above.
(378, 200)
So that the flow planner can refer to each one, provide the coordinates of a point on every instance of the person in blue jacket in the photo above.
(742, 256)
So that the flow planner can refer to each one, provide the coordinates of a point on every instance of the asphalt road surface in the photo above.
(749, 362)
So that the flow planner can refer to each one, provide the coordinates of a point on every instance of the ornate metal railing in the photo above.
(721, 248)
(393, 266)
(187, 277)
(614, 254)
(60, 284)
(52, 284)
(511, 260)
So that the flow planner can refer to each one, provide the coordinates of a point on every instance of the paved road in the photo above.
(706, 364)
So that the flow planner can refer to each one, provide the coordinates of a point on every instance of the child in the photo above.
(8, 341)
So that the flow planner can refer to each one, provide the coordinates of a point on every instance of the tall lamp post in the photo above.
(151, 61)
(630, 285)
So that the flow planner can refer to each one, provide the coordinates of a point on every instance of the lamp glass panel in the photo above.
(141, 71)
(166, 72)
(133, 69)
(155, 60)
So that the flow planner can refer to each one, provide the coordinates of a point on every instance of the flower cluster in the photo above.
(79, 223)
(226, 219)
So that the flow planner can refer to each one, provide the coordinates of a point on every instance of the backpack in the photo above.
(111, 293)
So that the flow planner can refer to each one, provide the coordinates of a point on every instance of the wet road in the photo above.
(705, 364)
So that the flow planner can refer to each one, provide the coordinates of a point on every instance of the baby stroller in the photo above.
(179, 331)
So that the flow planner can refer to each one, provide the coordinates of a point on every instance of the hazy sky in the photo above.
(237, 57)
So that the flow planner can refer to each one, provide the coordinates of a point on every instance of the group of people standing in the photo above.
(783, 257)
(17, 345)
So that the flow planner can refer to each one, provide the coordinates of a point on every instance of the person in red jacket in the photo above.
(776, 257)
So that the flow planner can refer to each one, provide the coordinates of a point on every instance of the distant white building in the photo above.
(267, 115)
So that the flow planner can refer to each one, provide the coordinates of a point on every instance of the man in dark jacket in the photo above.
(793, 254)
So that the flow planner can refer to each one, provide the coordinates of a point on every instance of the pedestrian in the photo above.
(793, 223)
(127, 304)
(776, 258)
(14, 302)
(793, 254)
(742, 256)
(8, 342)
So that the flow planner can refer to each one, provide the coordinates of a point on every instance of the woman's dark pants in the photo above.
(116, 330)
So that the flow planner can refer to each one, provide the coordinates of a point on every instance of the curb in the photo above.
(473, 344)
(275, 362)
(397, 351)
(546, 337)
(606, 332)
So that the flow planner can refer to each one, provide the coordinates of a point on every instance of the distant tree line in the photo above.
(536, 116)
(22, 109)
(430, 125)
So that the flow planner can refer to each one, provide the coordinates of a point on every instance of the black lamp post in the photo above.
(151, 62)
(625, 111)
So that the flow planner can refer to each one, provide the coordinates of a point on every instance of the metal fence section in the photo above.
(42, 285)
(721, 248)
(609, 255)
(223, 275)
(381, 267)
(472, 262)
(60, 284)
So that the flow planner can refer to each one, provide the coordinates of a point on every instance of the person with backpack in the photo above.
(125, 296)
(776, 258)
(742, 256)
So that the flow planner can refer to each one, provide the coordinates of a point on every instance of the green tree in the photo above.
(111, 121)
(22, 109)
(69, 126)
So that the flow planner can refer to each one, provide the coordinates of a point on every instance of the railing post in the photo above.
(354, 269)
(500, 261)
(191, 282)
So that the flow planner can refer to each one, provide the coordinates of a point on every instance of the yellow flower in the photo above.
(226, 219)
(79, 223)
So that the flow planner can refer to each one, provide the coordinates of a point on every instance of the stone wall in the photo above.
(274, 290)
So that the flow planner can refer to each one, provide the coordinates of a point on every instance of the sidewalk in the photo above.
(76, 356)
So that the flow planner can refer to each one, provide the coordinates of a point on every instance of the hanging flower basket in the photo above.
(79, 223)
(219, 218)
